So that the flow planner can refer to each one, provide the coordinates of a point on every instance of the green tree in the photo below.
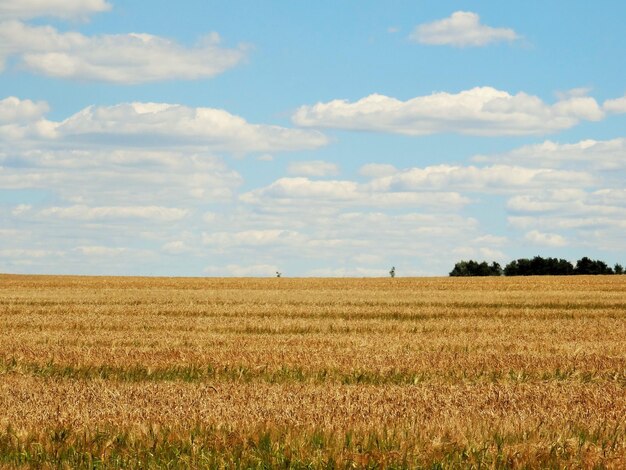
(586, 265)
(474, 268)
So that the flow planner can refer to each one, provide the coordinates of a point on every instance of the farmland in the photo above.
(140, 372)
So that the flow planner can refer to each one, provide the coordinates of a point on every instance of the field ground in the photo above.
(430, 372)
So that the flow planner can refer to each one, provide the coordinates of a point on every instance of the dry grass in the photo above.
(497, 372)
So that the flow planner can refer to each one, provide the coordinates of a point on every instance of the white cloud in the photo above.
(501, 178)
(478, 252)
(209, 217)
(546, 239)
(598, 154)
(491, 254)
(293, 191)
(377, 170)
(85, 213)
(121, 58)
(461, 29)
(98, 250)
(187, 180)
(66, 9)
(21, 209)
(368, 258)
(480, 111)
(313, 168)
(148, 126)
(175, 247)
(14, 110)
(574, 202)
(252, 238)
(255, 270)
(349, 272)
(573, 93)
(617, 105)
(491, 240)
(569, 223)
(160, 124)
(596, 218)
(28, 253)
(304, 188)
(10, 233)
(331, 238)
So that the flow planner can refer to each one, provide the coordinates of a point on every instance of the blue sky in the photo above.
(312, 138)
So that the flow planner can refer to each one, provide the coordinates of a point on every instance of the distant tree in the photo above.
(278, 274)
(460, 269)
(618, 269)
(539, 266)
(495, 269)
(564, 267)
(392, 272)
(519, 267)
(474, 268)
(586, 265)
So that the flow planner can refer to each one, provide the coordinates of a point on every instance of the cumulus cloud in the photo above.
(120, 58)
(175, 247)
(501, 178)
(313, 168)
(170, 124)
(591, 218)
(482, 111)
(491, 240)
(617, 105)
(461, 29)
(546, 239)
(140, 173)
(598, 154)
(14, 110)
(29, 253)
(572, 202)
(254, 270)
(99, 250)
(583, 225)
(376, 170)
(108, 168)
(293, 191)
(85, 213)
(332, 238)
(476, 251)
(66, 9)
(190, 181)
(155, 125)
(349, 272)
(252, 238)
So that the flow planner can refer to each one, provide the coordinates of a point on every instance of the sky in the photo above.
(241, 138)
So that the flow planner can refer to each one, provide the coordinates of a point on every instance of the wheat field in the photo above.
(308, 373)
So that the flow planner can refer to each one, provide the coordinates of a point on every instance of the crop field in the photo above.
(333, 373)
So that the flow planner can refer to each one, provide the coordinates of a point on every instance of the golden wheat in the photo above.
(505, 372)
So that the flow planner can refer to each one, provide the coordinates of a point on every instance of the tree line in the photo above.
(536, 266)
